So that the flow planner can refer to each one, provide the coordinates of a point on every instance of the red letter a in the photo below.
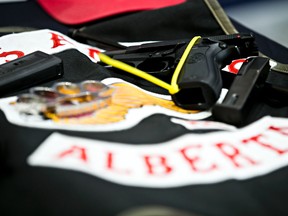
(75, 151)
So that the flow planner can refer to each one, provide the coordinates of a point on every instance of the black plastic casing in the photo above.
(246, 86)
(28, 71)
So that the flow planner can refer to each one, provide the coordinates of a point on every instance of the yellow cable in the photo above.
(123, 66)
(173, 88)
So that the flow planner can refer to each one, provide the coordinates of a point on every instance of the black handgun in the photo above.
(200, 80)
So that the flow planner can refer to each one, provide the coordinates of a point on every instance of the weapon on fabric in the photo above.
(245, 87)
(193, 68)
(27, 71)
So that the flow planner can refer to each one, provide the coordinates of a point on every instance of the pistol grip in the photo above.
(200, 80)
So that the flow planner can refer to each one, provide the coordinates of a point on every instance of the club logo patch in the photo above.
(127, 107)
(129, 104)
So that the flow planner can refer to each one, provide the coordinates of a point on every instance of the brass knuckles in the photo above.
(30, 104)
(80, 104)
(67, 88)
(46, 93)
(38, 100)
(66, 99)
(91, 86)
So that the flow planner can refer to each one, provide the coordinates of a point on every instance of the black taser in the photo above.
(246, 86)
(28, 71)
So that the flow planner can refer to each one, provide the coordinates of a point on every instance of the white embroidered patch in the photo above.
(203, 125)
(255, 150)
(130, 119)
(16, 45)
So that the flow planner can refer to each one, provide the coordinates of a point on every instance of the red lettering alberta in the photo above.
(196, 158)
